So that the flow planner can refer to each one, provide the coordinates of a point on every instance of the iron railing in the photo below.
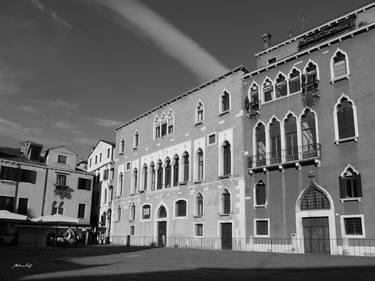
(301, 153)
(345, 246)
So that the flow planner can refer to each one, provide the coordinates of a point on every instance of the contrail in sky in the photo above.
(168, 38)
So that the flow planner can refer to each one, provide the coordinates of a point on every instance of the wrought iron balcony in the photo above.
(304, 154)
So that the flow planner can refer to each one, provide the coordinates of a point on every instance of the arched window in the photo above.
(291, 142)
(275, 142)
(164, 125)
(122, 146)
(181, 208)
(311, 75)
(199, 204)
(345, 113)
(146, 212)
(145, 176)
(168, 172)
(267, 88)
(308, 129)
(162, 212)
(170, 122)
(339, 65)
(157, 127)
(281, 86)
(225, 102)
(135, 179)
(225, 201)
(294, 81)
(136, 140)
(185, 159)
(152, 175)
(118, 213)
(227, 159)
(61, 208)
(260, 149)
(254, 93)
(175, 170)
(132, 212)
(160, 175)
(121, 184)
(314, 199)
(350, 184)
(200, 164)
(199, 113)
(260, 194)
(54, 208)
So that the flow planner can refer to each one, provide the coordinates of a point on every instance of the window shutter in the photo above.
(358, 185)
(342, 187)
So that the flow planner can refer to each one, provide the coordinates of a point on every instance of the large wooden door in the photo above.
(162, 233)
(316, 235)
(226, 236)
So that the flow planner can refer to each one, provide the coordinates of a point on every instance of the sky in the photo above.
(71, 70)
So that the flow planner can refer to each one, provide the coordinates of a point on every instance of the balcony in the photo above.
(63, 190)
(303, 155)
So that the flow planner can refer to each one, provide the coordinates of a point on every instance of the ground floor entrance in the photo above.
(316, 235)
(162, 233)
(226, 236)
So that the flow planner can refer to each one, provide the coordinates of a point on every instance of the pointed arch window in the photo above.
(54, 208)
(168, 172)
(294, 81)
(267, 88)
(170, 122)
(60, 210)
(227, 159)
(281, 86)
(225, 102)
(308, 129)
(135, 180)
(275, 142)
(314, 199)
(136, 139)
(260, 194)
(260, 142)
(345, 115)
(350, 184)
(175, 170)
(132, 212)
(199, 111)
(162, 213)
(226, 202)
(145, 174)
(164, 125)
(199, 204)
(339, 65)
(122, 147)
(152, 175)
(157, 127)
(160, 175)
(200, 164)
(291, 142)
(185, 159)
(311, 72)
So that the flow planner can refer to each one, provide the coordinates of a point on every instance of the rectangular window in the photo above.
(90, 163)
(108, 152)
(163, 129)
(146, 212)
(60, 180)
(128, 166)
(84, 184)
(6, 203)
(157, 132)
(96, 159)
(81, 210)
(271, 60)
(100, 157)
(132, 230)
(199, 229)
(8, 173)
(22, 206)
(353, 226)
(27, 176)
(170, 129)
(106, 174)
(261, 227)
(268, 93)
(61, 159)
(211, 139)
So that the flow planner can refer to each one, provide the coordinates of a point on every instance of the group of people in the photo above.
(76, 237)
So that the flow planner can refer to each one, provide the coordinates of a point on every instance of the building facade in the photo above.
(100, 163)
(36, 185)
(310, 135)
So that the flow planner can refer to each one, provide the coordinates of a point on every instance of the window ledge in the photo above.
(121, 153)
(180, 217)
(224, 112)
(337, 79)
(198, 124)
(198, 216)
(8, 181)
(145, 220)
(261, 236)
(131, 220)
(224, 176)
(198, 181)
(351, 199)
(225, 215)
(353, 236)
(183, 183)
(135, 148)
(260, 206)
(355, 138)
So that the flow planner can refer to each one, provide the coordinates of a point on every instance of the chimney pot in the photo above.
(266, 40)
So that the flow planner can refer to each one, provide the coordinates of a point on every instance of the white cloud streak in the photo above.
(29, 108)
(37, 4)
(16, 130)
(168, 38)
(107, 123)
(54, 103)
(65, 125)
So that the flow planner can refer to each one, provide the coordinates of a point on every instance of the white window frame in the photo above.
(255, 227)
(141, 212)
(135, 141)
(122, 147)
(197, 122)
(317, 68)
(175, 209)
(195, 233)
(221, 203)
(156, 123)
(346, 76)
(349, 166)
(343, 233)
(221, 112)
(300, 80)
(208, 139)
(254, 195)
(287, 85)
(170, 112)
(262, 90)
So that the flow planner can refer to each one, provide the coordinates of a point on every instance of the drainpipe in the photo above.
(44, 191)
(16, 190)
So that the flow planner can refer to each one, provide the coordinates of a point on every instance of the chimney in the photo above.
(290, 34)
(266, 40)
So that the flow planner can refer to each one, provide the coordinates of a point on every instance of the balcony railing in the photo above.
(275, 158)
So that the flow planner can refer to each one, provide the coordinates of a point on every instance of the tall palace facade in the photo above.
(277, 158)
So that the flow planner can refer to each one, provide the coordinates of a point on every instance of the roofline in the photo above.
(48, 149)
(238, 68)
(330, 42)
(101, 140)
(295, 38)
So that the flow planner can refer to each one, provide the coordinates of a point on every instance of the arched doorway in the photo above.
(315, 221)
(162, 226)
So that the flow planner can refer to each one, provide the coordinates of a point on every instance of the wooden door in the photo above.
(162, 233)
(226, 236)
(316, 235)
